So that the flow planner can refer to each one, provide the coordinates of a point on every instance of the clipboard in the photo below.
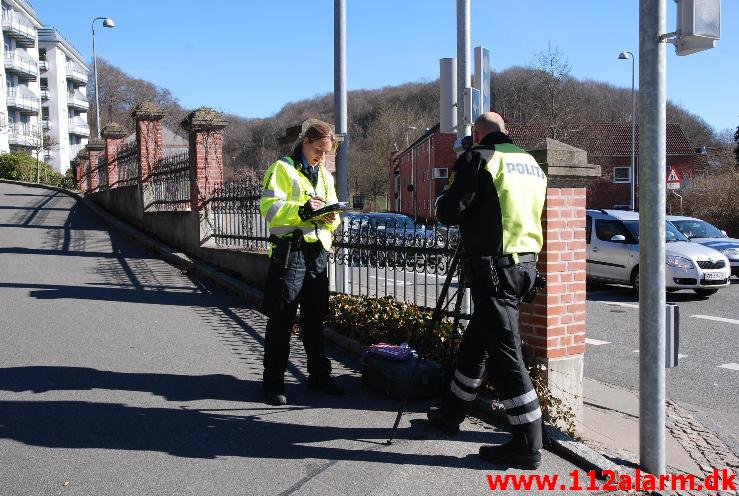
(334, 207)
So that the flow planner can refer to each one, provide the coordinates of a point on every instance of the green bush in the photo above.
(374, 320)
(23, 167)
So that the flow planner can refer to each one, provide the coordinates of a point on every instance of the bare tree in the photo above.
(555, 101)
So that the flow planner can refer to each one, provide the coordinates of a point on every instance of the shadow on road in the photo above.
(250, 431)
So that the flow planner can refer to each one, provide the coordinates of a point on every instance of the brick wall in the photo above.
(415, 166)
(553, 325)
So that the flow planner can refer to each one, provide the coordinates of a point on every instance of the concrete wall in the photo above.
(181, 230)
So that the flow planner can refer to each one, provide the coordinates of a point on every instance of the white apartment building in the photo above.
(20, 102)
(64, 102)
(45, 89)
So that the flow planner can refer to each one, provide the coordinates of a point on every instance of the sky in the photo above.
(251, 57)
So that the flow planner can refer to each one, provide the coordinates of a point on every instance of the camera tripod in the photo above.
(435, 319)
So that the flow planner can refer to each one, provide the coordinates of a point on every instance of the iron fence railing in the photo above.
(388, 255)
(170, 180)
(127, 163)
(102, 171)
(374, 255)
(237, 222)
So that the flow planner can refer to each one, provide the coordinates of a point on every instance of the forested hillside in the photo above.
(388, 119)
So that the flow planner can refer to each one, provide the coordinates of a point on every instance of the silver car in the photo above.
(700, 231)
(612, 240)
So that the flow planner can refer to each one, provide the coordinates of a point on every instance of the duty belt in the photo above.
(513, 259)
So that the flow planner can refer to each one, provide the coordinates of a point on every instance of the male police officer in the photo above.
(496, 195)
(293, 187)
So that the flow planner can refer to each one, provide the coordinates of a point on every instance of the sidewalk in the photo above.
(184, 405)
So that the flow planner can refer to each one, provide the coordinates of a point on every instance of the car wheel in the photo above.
(635, 278)
(705, 292)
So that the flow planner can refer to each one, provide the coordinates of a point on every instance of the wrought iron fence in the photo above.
(102, 171)
(378, 255)
(236, 219)
(373, 255)
(170, 180)
(127, 163)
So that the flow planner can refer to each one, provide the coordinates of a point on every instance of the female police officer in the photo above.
(293, 187)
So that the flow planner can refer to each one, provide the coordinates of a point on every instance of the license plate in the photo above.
(713, 276)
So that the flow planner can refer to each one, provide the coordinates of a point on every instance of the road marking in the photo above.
(717, 319)
(679, 355)
(731, 366)
(391, 279)
(620, 304)
(596, 342)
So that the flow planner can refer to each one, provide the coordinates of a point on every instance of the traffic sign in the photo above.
(673, 179)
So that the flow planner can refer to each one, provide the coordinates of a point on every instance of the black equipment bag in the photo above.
(392, 377)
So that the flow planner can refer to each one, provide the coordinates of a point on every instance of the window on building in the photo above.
(621, 174)
(45, 113)
(42, 54)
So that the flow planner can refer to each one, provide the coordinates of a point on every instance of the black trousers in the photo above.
(492, 340)
(306, 282)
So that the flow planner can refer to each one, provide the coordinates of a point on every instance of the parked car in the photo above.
(391, 239)
(700, 231)
(612, 240)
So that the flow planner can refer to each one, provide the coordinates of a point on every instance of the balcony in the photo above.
(48, 155)
(26, 102)
(74, 150)
(46, 124)
(15, 26)
(77, 101)
(21, 134)
(76, 74)
(25, 67)
(43, 65)
(45, 95)
(79, 127)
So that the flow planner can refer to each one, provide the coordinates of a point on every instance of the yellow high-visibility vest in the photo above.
(284, 190)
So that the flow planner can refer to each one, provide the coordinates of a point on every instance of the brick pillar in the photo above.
(114, 136)
(148, 118)
(77, 173)
(84, 167)
(553, 326)
(95, 148)
(205, 129)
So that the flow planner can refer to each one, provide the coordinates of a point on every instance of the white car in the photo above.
(612, 240)
(700, 231)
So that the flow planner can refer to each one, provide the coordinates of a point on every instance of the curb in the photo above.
(560, 443)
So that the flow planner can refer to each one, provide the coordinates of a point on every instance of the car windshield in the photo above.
(671, 233)
(695, 228)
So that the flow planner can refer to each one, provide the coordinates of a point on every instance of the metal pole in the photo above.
(463, 64)
(633, 135)
(652, 88)
(340, 119)
(97, 89)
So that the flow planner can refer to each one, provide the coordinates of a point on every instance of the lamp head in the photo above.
(108, 23)
(624, 55)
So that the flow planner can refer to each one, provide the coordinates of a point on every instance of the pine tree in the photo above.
(736, 150)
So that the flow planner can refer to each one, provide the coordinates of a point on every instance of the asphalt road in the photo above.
(707, 375)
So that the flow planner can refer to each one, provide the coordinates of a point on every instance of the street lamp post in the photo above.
(107, 23)
(623, 56)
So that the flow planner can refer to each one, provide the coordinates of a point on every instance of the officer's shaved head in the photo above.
(489, 122)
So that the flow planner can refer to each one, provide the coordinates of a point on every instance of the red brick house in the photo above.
(426, 163)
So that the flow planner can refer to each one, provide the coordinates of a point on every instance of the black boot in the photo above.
(439, 421)
(325, 384)
(511, 455)
(274, 398)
